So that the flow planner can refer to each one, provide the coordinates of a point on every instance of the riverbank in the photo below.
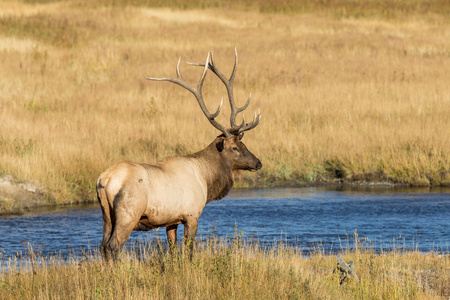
(236, 270)
(17, 198)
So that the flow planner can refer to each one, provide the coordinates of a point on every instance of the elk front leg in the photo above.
(190, 230)
(172, 237)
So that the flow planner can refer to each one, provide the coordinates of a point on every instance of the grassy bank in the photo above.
(239, 271)
(347, 92)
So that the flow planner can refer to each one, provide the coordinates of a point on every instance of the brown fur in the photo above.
(174, 191)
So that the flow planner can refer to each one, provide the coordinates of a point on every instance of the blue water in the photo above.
(307, 219)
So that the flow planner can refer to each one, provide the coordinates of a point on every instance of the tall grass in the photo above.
(221, 270)
(353, 98)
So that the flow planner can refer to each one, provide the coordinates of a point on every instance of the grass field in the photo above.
(228, 271)
(347, 92)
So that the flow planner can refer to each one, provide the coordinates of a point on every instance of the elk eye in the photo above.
(235, 149)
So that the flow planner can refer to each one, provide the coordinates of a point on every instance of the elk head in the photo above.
(235, 152)
(229, 142)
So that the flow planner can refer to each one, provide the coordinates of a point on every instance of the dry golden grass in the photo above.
(224, 271)
(339, 96)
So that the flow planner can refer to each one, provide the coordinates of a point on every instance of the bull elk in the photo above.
(138, 196)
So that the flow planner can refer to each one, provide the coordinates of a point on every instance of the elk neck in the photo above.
(216, 171)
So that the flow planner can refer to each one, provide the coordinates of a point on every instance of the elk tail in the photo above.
(103, 200)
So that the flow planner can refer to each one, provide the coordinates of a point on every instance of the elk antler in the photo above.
(197, 93)
(235, 129)
(228, 132)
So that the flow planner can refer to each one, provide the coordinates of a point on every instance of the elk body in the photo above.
(174, 191)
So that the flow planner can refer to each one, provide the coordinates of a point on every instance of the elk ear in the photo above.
(241, 135)
(220, 145)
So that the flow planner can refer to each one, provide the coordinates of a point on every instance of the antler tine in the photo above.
(240, 109)
(250, 125)
(178, 68)
(235, 64)
(179, 80)
(197, 93)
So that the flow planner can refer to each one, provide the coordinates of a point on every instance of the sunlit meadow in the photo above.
(346, 92)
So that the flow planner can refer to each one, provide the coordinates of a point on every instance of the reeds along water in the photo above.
(340, 95)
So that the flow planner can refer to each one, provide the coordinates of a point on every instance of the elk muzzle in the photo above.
(254, 164)
(256, 167)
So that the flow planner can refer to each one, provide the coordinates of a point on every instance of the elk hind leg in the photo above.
(121, 233)
(124, 223)
(107, 230)
(107, 219)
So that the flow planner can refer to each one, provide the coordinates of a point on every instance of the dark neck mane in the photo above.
(218, 175)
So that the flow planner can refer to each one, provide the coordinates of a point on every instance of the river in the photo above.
(309, 219)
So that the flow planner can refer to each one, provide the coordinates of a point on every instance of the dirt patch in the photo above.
(17, 197)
